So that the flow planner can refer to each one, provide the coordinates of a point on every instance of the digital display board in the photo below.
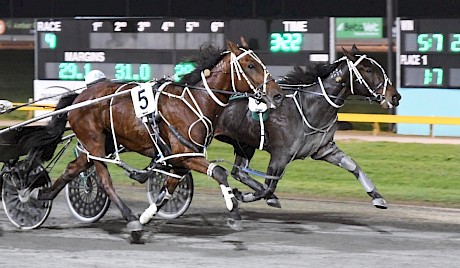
(124, 49)
(430, 53)
(141, 49)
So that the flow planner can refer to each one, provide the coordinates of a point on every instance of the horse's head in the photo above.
(370, 79)
(249, 74)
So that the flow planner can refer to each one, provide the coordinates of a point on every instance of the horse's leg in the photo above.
(243, 177)
(220, 174)
(163, 197)
(203, 166)
(94, 143)
(332, 154)
(134, 225)
(72, 170)
(243, 155)
(275, 170)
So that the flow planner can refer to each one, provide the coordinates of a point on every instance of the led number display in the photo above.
(429, 53)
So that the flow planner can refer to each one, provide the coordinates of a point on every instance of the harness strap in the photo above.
(304, 118)
(213, 96)
(326, 96)
(262, 131)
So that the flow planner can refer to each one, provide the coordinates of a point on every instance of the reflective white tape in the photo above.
(228, 194)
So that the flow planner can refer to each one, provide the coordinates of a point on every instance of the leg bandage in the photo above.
(151, 211)
(210, 169)
(347, 163)
(228, 195)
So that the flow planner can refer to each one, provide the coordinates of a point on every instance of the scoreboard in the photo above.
(429, 73)
(124, 49)
(429, 53)
(140, 49)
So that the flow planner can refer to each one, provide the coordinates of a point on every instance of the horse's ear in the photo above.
(355, 50)
(232, 47)
(349, 55)
(244, 44)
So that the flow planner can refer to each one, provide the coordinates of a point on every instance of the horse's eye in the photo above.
(368, 70)
(251, 66)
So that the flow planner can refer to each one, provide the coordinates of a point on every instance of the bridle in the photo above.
(237, 72)
(354, 72)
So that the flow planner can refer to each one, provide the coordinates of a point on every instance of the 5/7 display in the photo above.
(430, 53)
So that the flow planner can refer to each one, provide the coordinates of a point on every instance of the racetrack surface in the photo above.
(391, 137)
(304, 233)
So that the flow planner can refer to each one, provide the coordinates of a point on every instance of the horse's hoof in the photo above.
(235, 224)
(379, 203)
(134, 226)
(273, 202)
(136, 237)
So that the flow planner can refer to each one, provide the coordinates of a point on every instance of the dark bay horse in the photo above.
(185, 115)
(305, 124)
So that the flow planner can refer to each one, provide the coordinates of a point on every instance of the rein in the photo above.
(219, 91)
(7, 109)
(301, 88)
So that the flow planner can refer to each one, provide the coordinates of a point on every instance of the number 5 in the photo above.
(143, 99)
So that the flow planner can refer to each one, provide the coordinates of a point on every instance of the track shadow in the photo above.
(214, 224)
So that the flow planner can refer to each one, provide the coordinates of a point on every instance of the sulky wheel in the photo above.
(22, 210)
(87, 201)
(180, 200)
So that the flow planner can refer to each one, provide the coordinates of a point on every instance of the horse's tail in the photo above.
(45, 139)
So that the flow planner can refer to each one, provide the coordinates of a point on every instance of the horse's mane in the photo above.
(208, 56)
(310, 74)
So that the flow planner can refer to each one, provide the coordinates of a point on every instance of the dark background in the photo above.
(228, 8)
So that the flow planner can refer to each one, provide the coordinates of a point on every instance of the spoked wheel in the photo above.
(180, 200)
(22, 210)
(86, 200)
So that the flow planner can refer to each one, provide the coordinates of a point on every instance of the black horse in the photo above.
(305, 124)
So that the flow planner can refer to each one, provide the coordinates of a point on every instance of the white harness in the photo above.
(145, 103)
(353, 70)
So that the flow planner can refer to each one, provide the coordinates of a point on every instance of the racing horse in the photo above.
(184, 118)
(305, 124)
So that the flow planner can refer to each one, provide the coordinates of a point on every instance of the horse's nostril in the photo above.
(395, 99)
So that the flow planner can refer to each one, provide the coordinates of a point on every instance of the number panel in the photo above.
(429, 53)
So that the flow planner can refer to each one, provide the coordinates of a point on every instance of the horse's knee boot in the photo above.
(152, 210)
(347, 163)
(219, 173)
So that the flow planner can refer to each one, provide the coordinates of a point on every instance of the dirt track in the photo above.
(390, 137)
(304, 233)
